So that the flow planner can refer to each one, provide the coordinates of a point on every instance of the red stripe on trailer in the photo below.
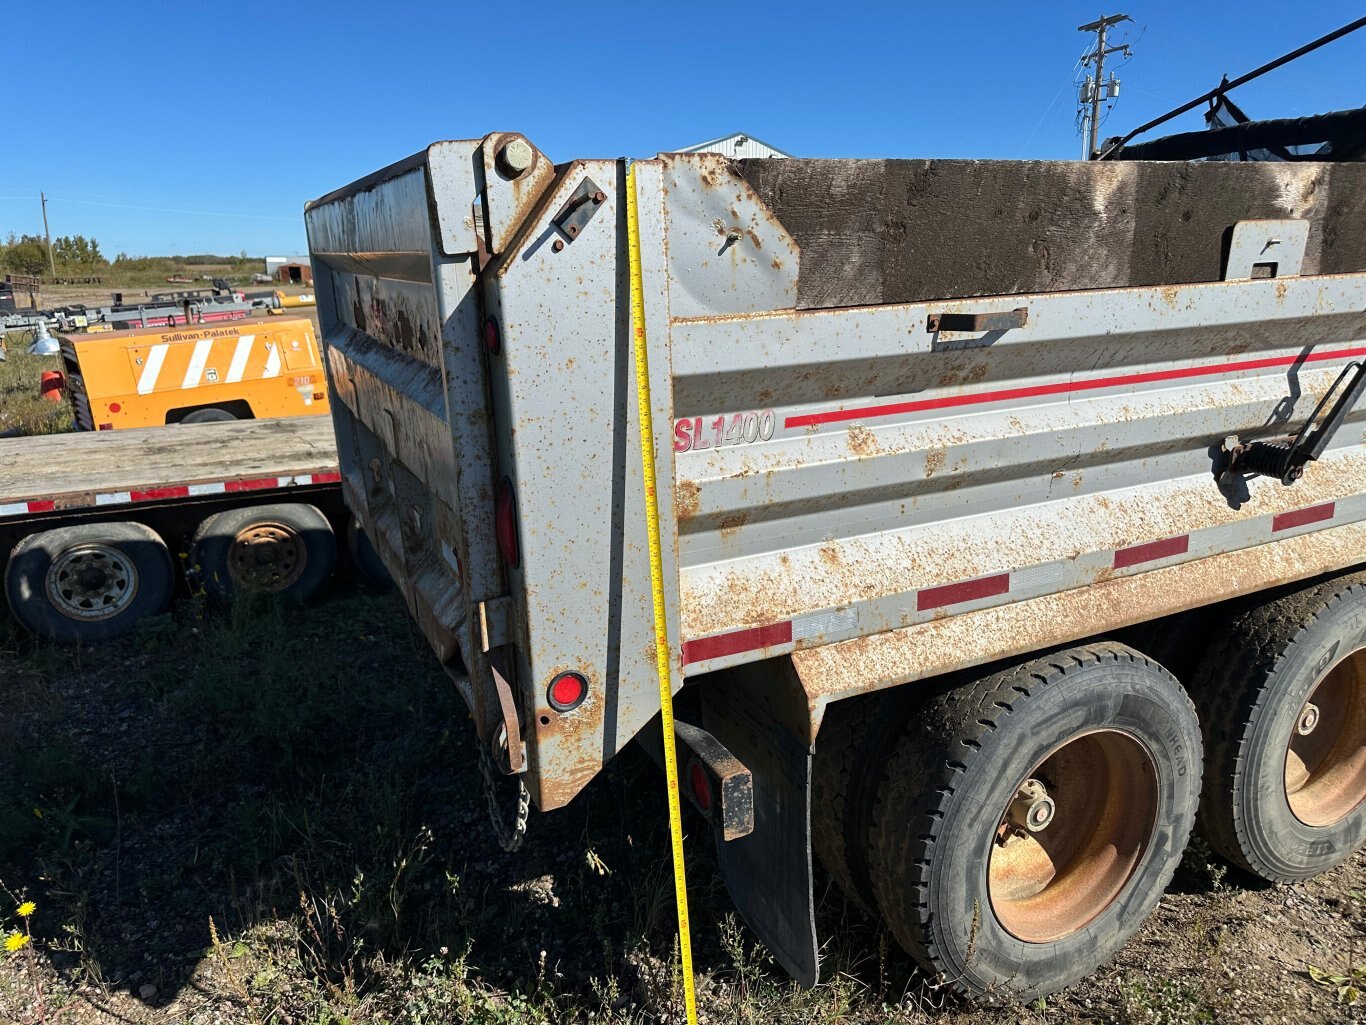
(326, 478)
(46, 505)
(156, 494)
(966, 590)
(720, 645)
(258, 484)
(1062, 388)
(1299, 517)
(1152, 550)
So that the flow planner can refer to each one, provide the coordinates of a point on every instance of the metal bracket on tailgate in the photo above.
(1286, 458)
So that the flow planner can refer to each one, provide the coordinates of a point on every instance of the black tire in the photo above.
(1115, 741)
(287, 550)
(1251, 691)
(369, 566)
(208, 415)
(88, 583)
(855, 738)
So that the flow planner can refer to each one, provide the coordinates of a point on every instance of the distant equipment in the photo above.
(43, 343)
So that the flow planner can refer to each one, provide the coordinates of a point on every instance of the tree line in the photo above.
(73, 254)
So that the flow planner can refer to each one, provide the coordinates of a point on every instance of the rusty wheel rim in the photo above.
(267, 557)
(1325, 758)
(91, 582)
(1072, 835)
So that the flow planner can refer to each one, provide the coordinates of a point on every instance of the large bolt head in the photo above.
(515, 157)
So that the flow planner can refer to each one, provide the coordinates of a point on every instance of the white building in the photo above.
(737, 145)
(274, 263)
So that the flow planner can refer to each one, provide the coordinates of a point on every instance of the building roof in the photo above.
(737, 144)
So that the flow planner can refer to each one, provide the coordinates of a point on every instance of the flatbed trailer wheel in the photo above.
(369, 566)
(287, 549)
(208, 415)
(1028, 821)
(88, 582)
(1282, 699)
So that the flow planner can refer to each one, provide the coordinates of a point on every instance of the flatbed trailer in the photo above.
(101, 529)
(961, 464)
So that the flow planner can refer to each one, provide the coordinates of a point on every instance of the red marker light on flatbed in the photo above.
(492, 341)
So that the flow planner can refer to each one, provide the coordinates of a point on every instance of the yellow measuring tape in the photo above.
(662, 652)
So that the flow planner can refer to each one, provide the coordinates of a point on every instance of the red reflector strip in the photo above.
(1152, 551)
(156, 494)
(967, 590)
(706, 648)
(252, 485)
(326, 478)
(43, 506)
(1299, 517)
(1063, 387)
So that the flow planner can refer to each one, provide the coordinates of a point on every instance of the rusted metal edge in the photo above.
(879, 661)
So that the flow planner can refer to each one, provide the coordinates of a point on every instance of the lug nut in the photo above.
(1309, 720)
(1032, 809)
(515, 157)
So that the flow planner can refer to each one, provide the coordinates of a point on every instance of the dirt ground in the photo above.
(275, 816)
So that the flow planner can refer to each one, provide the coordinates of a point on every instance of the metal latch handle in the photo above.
(978, 321)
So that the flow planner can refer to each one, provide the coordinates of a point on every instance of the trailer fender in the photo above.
(759, 713)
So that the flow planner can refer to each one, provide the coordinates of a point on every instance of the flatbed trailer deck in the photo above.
(89, 521)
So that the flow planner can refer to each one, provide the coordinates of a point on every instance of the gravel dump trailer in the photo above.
(1002, 502)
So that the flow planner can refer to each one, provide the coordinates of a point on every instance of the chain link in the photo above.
(509, 838)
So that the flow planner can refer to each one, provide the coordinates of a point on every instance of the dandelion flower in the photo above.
(16, 941)
(27, 908)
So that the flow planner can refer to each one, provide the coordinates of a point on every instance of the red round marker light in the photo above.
(701, 786)
(492, 341)
(114, 407)
(567, 692)
(505, 524)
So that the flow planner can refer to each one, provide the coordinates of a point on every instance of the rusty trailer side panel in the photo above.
(876, 493)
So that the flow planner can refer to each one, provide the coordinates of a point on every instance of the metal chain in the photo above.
(508, 838)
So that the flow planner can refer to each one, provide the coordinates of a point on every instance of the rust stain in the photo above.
(934, 461)
(687, 500)
(830, 555)
(754, 238)
(955, 642)
(733, 523)
(862, 441)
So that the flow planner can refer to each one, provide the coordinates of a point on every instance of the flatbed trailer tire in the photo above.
(286, 549)
(88, 582)
(1029, 821)
(1282, 700)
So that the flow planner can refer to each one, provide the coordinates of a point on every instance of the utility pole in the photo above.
(51, 263)
(1094, 92)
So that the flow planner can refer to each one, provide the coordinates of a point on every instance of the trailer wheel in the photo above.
(369, 566)
(1282, 700)
(286, 550)
(89, 582)
(208, 415)
(855, 738)
(1029, 821)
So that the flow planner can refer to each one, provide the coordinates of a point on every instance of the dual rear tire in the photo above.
(1014, 830)
(1027, 822)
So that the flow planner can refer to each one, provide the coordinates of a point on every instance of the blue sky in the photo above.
(204, 127)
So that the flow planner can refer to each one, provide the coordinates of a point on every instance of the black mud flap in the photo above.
(755, 714)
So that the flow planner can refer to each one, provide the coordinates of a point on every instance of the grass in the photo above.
(23, 410)
(275, 815)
